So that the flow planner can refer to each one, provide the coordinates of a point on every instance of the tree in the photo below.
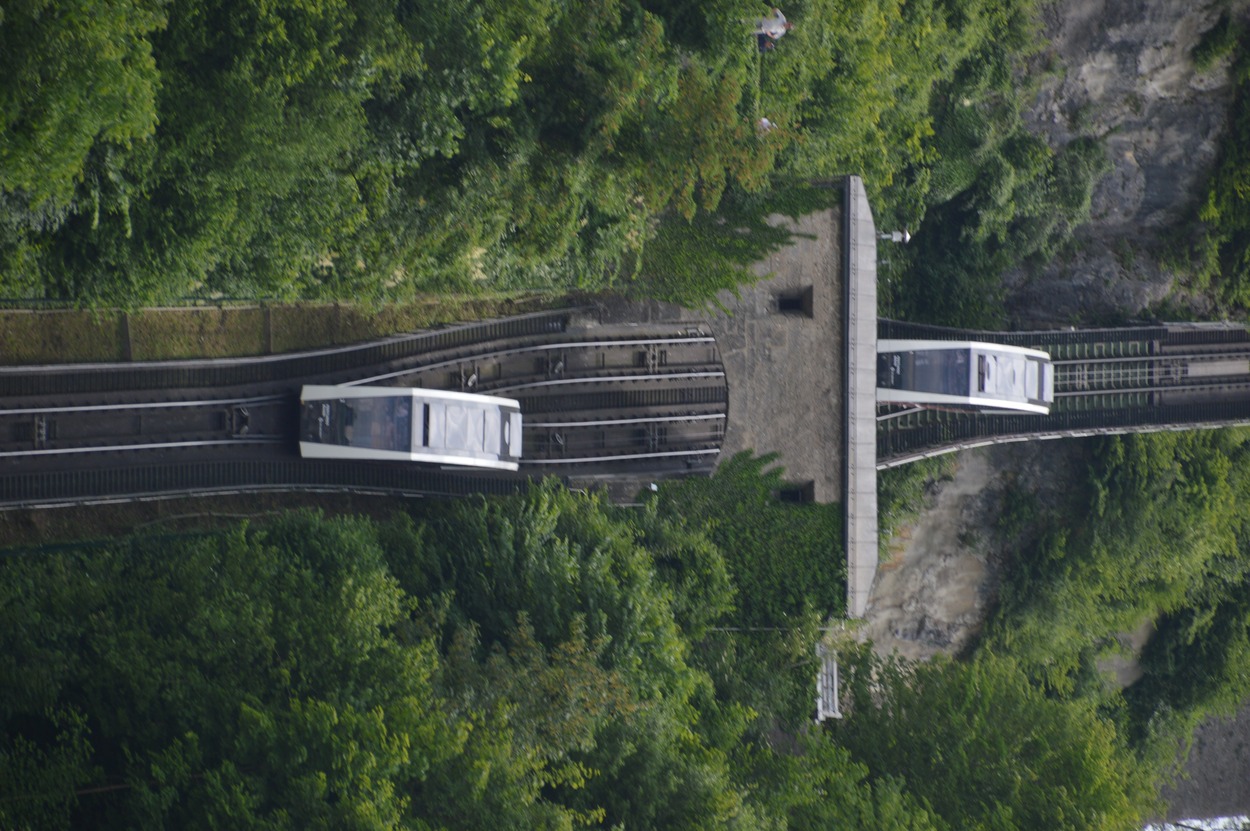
(1159, 530)
(782, 557)
(821, 786)
(76, 78)
(1219, 239)
(984, 748)
(250, 678)
(561, 570)
(554, 557)
(784, 562)
(377, 149)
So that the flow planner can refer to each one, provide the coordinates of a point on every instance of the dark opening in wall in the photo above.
(799, 493)
(795, 302)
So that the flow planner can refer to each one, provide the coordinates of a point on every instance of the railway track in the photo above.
(602, 404)
(149, 480)
(327, 366)
(1106, 381)
(27, 432)
(500, 364)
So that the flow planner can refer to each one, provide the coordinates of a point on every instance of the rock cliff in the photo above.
(1122, 71)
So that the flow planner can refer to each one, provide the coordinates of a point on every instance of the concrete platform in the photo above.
(861, 399)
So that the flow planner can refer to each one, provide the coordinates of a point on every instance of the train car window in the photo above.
(374, 423)
(945, 371)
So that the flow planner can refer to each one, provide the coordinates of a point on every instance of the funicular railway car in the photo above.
(410, 425)
(964, 375)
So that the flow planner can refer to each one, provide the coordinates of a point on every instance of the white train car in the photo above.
(410, 425)
(965, 375)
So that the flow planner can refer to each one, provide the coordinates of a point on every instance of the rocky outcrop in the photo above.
(1121, 71)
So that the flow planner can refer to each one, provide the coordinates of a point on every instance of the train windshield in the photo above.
(945, 371)
(383, 423)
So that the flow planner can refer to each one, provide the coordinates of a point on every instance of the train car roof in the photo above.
(887, 345)
(414, 424)
(327, 392)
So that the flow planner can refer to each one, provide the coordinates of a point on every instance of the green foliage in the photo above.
(1153, 541)
(690, 260)
(992, 196)
(786, 559)
(689, 564)
(1218, 246)
(819, 785)
(557, 571)
(540, 661)
(1218, 42)
(40, 781)
(77, 78)
(1154, 533)
(364, 146)
(532, 710)
(220, 680)
(984, 748)
(282, 677)
(381, 149)
(787, 564)
(554, 557)
(1197, 662)
(901, 491)
(861, 85)
(1016, 201)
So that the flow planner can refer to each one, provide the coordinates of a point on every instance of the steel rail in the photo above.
(605, 379)
(620, 421)
(1173, 389)
(119, 448)
(519, 351)
(622, 457)
(618, 400)
(377, 344)
(327, 364)
(1197, 357)
(153, 405)
(889, 416)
